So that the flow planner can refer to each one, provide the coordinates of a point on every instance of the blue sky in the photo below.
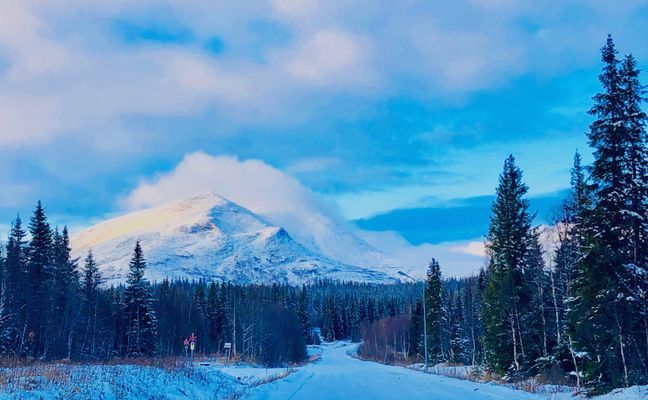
(391, 114)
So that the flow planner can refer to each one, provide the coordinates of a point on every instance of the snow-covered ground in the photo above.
(100, 382)
(465, 372)
(340, 376)
(199, 380)
(336, 375)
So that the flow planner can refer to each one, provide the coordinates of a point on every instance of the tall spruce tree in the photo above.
(434, 311)
(570, 228)
(15, 287)
(139, 316)
(635, 161)
(5, 332)
(39, 273)
(507, 301)
(64, 299)
(538, 323)
(90, 288)
(635, 277)
(610, 327)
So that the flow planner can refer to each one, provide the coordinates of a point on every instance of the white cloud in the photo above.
(252, 184)
(22, 36)
(474, 248)
(415, 258)
(282, 199)
(59, 84)
(460, 60)
(66, 71)
(329, 56)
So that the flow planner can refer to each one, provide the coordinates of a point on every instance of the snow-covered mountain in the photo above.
(210, 237)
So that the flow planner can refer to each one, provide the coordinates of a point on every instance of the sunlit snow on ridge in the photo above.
(209, 237)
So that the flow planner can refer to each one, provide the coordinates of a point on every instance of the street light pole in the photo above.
(425, 343)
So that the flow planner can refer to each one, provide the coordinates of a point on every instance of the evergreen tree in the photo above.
(609, 325)
(212, 305)
(5, 332)
(63, 297)
(39, 272)
(636, 192)
(141, 321)
(354, 321)
(457, 341)
(570, 228)
(14, 314)
(507, 302)
(72, 303)
(434, 310)
(302, 314)
(537, 323)
(199, 316)
(167, 318)
(473, 329)
(328, 328)
(416, 330)
(635, 162)
(119, 325)
(91, 281)
(371, 310)
(221, 320)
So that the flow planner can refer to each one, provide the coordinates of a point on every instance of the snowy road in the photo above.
(339, 376)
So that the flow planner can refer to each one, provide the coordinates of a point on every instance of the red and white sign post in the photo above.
(186, 347)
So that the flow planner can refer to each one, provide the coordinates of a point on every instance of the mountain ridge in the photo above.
(209, 237)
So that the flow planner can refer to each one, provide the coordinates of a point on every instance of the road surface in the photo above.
(337, 375)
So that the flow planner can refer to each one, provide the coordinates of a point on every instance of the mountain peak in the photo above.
(209, 237)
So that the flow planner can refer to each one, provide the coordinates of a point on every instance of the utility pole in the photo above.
(425, 342)
(234, 332)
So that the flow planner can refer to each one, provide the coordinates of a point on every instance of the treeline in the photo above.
(51, 309)
(584, 314)
(454, 324)
(270, 324)
(54, 307)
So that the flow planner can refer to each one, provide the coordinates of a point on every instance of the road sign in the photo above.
(186, 346)
(191, 343)
(228, 346)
